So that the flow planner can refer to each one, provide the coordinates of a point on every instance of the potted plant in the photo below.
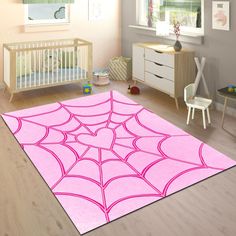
(177, 45)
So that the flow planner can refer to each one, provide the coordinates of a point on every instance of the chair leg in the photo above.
(11, 97)
(193, 114)
(189, 114)
(204, 118)
(208, 116)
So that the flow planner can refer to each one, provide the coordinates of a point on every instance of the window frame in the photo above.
(47, 21)
(184, 29)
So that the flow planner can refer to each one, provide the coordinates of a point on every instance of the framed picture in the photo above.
(96, 8)
(221, 15)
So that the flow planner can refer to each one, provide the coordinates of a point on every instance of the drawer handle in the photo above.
(158, 64)
(159, 77)
(158, 51)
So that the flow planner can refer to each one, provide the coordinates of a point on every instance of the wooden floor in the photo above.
(28, 208)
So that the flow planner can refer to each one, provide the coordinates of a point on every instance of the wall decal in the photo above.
(96, 10)
(221, 15)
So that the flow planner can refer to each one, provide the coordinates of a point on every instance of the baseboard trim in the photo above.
(229, 111)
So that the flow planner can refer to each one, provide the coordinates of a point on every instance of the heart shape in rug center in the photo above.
(103, 138)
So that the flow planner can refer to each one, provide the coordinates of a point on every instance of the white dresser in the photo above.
(160, 67)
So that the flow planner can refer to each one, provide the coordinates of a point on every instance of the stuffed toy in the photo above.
(134, 90)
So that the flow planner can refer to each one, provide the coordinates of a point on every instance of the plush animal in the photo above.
(134, 90)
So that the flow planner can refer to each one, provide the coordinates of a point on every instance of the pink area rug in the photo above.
(104, 156)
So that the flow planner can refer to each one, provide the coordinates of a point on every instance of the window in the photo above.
(188, 12)
(46, 13)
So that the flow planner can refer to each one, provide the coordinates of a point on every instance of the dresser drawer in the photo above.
(161, 84)
(159, 57)
(161, 70)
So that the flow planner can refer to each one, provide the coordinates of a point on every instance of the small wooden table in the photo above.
(227, 96)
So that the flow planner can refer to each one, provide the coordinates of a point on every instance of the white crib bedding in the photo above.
(45, 78)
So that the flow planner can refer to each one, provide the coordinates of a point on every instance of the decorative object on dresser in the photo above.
(160, 67)
(33, 65)
(177, 45)
(150, 13)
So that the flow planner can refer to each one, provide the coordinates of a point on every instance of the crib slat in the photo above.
(52, 63)
(28, 65)
(48, 66)
(25, 59)
(73, 64)
(62, 62)
(20, 70)
(57, 63)
(81, 62)
(69, 55)
(86, 62)
(66, 62)
(39, 66)
(77, 67)
(35, 68)
(17, 68)
(44, 70)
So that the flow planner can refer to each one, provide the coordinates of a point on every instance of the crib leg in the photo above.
(11, 98)
(5, 89)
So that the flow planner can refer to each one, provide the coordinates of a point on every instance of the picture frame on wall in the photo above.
(96, 10)
(221, 15)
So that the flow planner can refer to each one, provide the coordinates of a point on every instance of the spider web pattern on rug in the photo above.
(104, 156)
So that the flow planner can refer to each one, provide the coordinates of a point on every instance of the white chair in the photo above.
(193, 103)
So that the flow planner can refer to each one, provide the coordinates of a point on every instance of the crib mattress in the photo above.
(47, 78)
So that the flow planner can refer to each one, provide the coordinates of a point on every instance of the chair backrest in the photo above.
(189, 92)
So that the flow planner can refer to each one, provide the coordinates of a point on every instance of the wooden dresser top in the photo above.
(162, 48)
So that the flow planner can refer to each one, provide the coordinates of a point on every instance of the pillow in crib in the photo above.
(23, 65)
(69, 59)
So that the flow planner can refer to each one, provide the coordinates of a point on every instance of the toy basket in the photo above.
(101, 78)
(120, 68)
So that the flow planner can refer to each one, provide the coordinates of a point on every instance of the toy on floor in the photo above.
(87, 88)
(231, 88)
(101, 78)
(133, 90)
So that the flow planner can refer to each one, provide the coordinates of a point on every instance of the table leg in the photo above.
(177, 103)
(223, 116)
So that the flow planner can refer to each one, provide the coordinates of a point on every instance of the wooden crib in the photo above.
(34, 65)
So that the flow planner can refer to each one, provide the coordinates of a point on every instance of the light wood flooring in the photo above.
(28, 208)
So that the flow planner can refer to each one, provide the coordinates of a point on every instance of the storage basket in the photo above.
(120, 68)
(101, 78)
